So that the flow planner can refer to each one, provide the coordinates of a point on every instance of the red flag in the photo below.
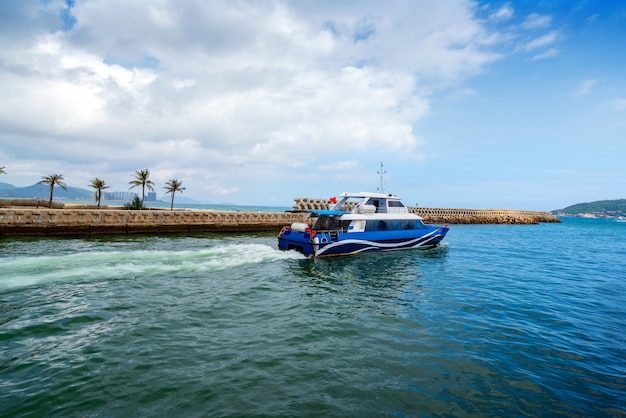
(333, 199)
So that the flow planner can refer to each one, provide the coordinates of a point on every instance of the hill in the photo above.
(607, 207)
(6, 186)
(42, 191)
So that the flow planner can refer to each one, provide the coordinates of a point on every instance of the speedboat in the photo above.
(360, 222)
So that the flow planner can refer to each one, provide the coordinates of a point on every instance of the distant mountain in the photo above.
(180, 199)
(42, 191)
(6, 186)
(609, 207)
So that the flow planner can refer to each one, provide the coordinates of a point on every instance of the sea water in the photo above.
(501, 320)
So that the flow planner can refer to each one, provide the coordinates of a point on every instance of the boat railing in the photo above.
(331, 230)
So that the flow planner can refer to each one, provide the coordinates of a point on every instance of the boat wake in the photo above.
(23, 271)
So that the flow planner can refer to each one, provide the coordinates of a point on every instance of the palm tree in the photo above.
(173, 186)
(99, 186)
(2, 170)
(142, 179)
(52, 180)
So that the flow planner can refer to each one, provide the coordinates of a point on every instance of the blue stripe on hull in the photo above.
(352, 246)
(348, 244)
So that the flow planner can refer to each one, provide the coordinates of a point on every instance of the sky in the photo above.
(468, 104)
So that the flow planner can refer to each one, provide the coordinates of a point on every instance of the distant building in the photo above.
(125, 196)
(151, 197)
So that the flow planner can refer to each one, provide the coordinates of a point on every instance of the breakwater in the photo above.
(89, 221)
(451, 216)
(483, 216)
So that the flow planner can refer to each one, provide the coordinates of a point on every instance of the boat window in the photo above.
(323, 222)
(377, 226)
(330, 222)
(395, 204)
(377, 204)
(408, 224)
(399, 225)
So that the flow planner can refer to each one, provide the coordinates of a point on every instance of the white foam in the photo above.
(97, 265)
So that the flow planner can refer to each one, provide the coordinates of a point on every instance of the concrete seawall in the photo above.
(87, 221)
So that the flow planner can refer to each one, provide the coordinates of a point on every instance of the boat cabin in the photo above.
(359, 212)
(370, 203)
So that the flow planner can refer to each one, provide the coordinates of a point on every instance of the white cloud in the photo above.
(542, 41)
(463, 93)
(182, 84)
(505, 12)
(211, 92)
(340, 166)
(537, 21)
(586, 86)
(552, 52)
(619, 103)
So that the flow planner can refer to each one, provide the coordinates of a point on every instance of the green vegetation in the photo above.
(52, 180)
(172, 186)
(608, 207)
(99, 185)
(136, 204)
(142, 179)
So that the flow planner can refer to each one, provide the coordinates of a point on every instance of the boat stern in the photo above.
(300, 237)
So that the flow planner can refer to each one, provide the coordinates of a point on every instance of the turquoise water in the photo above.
(502, 320)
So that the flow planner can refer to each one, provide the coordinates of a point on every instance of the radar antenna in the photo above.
(381, 173)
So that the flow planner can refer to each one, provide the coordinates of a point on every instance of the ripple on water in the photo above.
(501, 321)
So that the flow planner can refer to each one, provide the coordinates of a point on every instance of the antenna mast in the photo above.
(381, 188)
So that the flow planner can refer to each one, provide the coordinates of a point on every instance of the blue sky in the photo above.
(518, 104)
